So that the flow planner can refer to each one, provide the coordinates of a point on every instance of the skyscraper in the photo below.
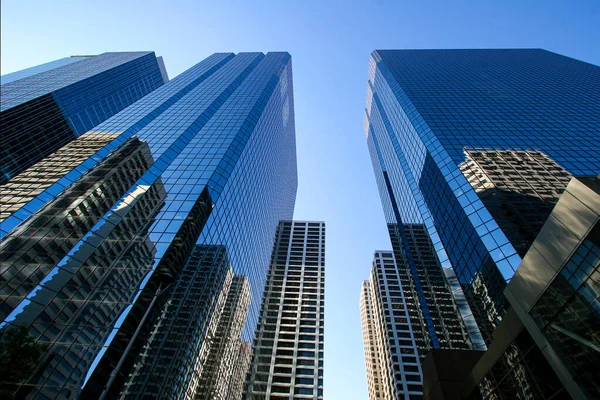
(45, 107)
(216, 168)
(476, 147)
(397, 332)
(378, 384)
(393, 368)
(433, 113)
(288, 348)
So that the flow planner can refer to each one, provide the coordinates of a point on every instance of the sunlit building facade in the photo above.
(288, 351)
(393, 366)
(396, 336)
(47, 106)
(206, 161)
(377, 385)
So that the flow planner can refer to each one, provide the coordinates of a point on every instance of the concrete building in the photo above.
(288, 349)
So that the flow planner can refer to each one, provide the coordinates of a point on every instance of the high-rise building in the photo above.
(378, 385)
(476, 147)
(432, 115)
(205, 163)
(287, 360)
(45, 107)
(397, 331)
(64, 282)
(394, 369)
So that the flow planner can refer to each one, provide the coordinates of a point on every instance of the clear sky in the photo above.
(330, 43)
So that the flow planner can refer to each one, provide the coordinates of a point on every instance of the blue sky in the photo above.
(330, 43)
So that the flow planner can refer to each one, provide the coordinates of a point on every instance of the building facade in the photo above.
(288, 348)
(197, 335)
(431, 115)
(25, 186)
(208, 160)
(553, 324)
(181, 340)
(45, 107)
(519, 189)
(398, 331)
(229, 357)
(377, 384)
(397, 374)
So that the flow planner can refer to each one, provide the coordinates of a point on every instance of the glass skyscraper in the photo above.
(45, 107)
(431, 115)
(203, 166)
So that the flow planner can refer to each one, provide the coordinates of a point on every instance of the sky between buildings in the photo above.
(330, 43)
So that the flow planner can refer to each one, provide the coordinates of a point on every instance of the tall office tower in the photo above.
(215, 167)
(65, 282)
(288, 348)
(395, 366)
(45, 107)
(430, 112)
(397, 334)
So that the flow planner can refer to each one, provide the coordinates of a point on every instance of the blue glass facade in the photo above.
(426, 108)
(43, 111)
(219, 169)
(24, 73)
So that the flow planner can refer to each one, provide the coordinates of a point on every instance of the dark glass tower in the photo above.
(197, 335)
(433, 114)
(45, 107)
(207, 160)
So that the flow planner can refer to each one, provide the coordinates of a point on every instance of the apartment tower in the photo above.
(288, 347)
